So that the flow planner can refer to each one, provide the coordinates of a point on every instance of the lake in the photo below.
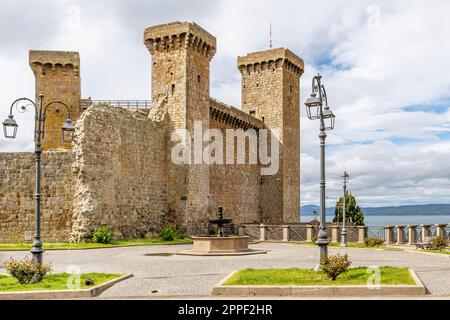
(372, 220)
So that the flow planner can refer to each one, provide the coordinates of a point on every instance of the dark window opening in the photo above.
(173, 88)
(252, 113)
(262, 119)
(198, 78)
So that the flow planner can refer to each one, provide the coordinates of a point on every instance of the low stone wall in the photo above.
(17, 196)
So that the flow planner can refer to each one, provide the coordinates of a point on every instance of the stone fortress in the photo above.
(118, 170)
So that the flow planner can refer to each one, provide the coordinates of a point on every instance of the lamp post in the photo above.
(10, 130)
(345, 179)
(317, 108)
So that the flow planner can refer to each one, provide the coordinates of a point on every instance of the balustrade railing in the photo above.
(129, 104)
(407, 234)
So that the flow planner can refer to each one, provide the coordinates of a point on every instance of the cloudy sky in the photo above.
(386, 67)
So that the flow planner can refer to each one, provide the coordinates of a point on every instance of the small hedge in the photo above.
(333, 266)
(103, 235)
(373, 242)
(27, 271)
(439, 243)
(171, 233)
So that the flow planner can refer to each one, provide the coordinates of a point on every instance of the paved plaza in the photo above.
(172, 276)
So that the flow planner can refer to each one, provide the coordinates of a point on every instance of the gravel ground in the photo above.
(173, 276)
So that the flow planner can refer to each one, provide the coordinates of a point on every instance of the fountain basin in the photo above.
(220, 246)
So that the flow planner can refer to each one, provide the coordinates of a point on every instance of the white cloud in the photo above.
(376, 58)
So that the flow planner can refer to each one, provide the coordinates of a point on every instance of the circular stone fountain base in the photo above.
(220, 246)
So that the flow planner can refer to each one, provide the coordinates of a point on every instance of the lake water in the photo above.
(393, 220)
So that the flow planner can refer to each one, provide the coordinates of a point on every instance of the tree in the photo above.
(353, 213)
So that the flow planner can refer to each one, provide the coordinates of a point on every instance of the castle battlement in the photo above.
(179, 35)
(269, 59)
(42, 60)
(233, 117)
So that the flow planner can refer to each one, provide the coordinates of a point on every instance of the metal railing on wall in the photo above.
(376, 232)
(129, 104)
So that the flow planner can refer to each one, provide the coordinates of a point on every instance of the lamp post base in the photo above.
(344, 239)
(37, 251)
(323, 248)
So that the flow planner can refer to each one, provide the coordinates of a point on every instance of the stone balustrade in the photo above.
(299, 232)
(392, 235)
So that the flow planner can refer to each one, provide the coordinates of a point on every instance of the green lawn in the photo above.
(351, 245)
(437, 251)
(131, 242)
(307, 277)
(57, 281)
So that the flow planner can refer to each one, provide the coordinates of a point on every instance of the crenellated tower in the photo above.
(271, 93)
(181, 54)
(57, 77)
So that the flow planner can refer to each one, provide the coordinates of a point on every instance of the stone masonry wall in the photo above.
(57, 77)
(235, 187)
(17, 190)
(120, 172)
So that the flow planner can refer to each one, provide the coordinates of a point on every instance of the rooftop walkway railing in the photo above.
(129, 104)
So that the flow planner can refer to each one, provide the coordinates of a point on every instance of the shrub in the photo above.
(333, 266)
(27, 271)
(439, 243)
(103, 235)
(373, 242)
(169, 233)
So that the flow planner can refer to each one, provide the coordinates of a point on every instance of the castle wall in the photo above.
(17, 190)
(235, 187)
(120, 172)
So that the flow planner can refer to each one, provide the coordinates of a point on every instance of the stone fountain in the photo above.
(220, 244)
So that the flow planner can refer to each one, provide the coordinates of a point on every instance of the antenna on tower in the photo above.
(270, 35)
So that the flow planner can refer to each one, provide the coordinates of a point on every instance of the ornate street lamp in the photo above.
(317, 108)
(345, 179)
(10, 130)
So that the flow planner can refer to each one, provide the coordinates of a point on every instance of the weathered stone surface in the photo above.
(57, 75)
(120, 173)
(17, 190)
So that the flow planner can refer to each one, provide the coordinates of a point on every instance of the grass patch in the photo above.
(307, 277)
(57, 281)
(90, 245)
(437, 252)
(350, 245)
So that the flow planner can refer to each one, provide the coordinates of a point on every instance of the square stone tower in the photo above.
(181, 53)
(57, 75)
(271, 93)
